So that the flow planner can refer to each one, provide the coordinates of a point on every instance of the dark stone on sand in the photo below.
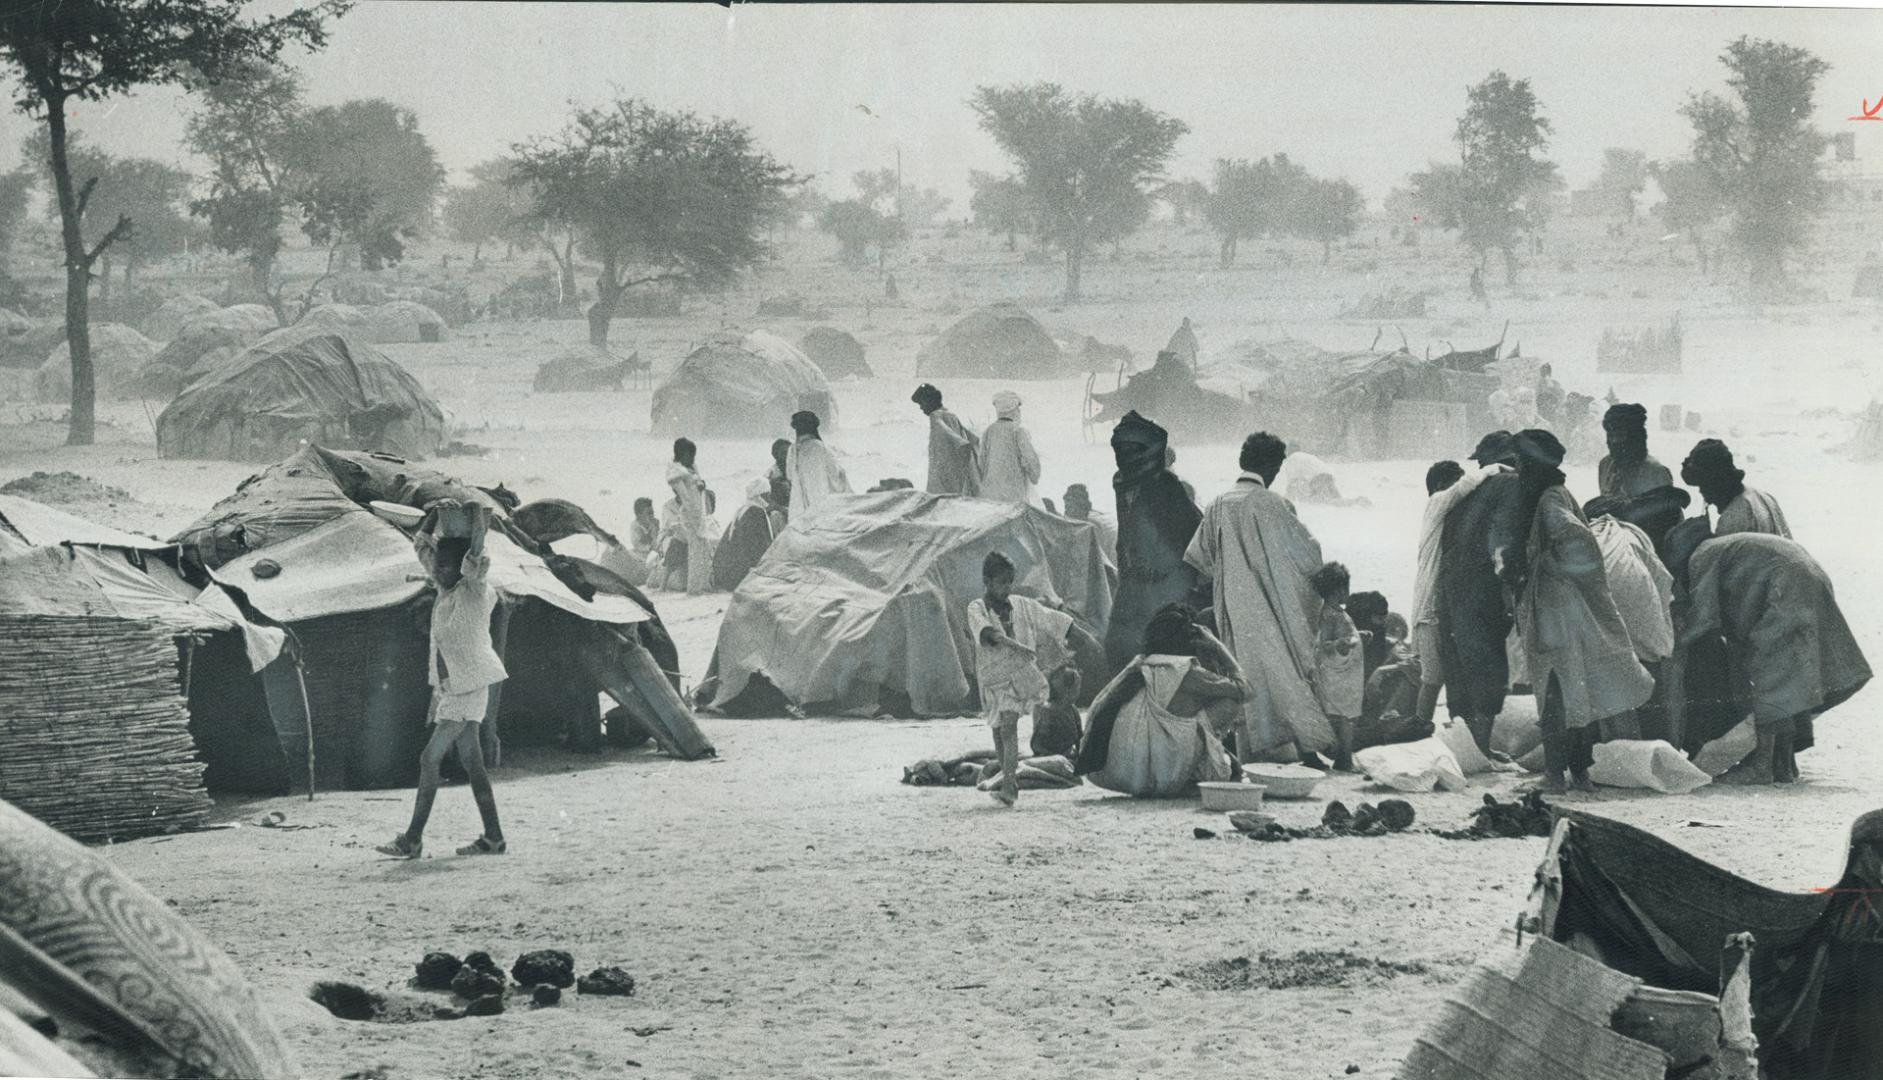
(1336, 816)
(1202, 833)
(551, 966)
(436, 970)
(606, 981)
(473, 983)
(488, 1005)
(547, 995)
(1396, 814)
(482, 962)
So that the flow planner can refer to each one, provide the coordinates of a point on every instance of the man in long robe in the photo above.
(1474, 625)
(812, 469)
(1788, 653)
(1010, 467)
(953, 450)
(1634, 486)
(1581, 661)
(688, 524)
(1183, 344)
(1156, 520)
(1446, 486)
(1709, 467)
(1260, 557)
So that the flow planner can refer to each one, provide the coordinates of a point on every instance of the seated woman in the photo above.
(1156, 729)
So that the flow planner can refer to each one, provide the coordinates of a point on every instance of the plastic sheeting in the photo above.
(40, 525)
(740, 386)
(867, 602)
(309, 384)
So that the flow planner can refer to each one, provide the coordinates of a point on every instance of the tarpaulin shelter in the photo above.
(863, 608)
(199, 345)
(405, 321)
(740, 385)
(174, 314)
(98, 631)
(1366, 404)
(1000, 341)
(837, 354)
(118, 354)
(302, 384)
(300, 545)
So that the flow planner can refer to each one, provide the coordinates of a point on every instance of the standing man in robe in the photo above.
(1635, 487)
(812, 469)
(1262, 560)
(953, 450)
(1446, 485)
(689, 522)
(1474, 624)
(1010, 467)
(1157, 518)
(1742, 509)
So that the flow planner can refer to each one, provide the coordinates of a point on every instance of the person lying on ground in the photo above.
(1157, 729)
(463, 667)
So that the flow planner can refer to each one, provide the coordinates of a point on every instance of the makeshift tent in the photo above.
(837, 354)
(585, 368)
(1651, 911)
(1365, 404)
(864, 607)
(199, 345)
(25, 342)
(336, 317)
(740, 385)
(174, 314)
(301, 384)
(1001, 341)
(97, 634)
(260, 316)
(404, 321)
(1171, 394)
(118, 354)
(299, 543)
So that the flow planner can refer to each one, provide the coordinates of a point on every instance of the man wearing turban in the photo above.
(952, 448)
(1580, 658)
(1742, 509)
(811, 469)
(1009, 465)
(1156, 519)
(1634, 487)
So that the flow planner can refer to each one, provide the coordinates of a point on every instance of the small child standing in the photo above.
(1339, 661)
(1015, 637)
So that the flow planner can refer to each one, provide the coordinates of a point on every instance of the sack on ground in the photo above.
(1646, 763)
(1728, 750)
(1457, 738)
(1415, 766)
(1516, 734)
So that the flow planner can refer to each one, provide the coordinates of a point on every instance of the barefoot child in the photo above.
(1056, 724)
(1016, 638)
(463, 668)
(1339, 662)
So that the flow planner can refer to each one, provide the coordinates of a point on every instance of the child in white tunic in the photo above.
(1016, 641)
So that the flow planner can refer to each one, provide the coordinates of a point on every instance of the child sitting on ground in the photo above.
(1056, 724)
(1339, 661)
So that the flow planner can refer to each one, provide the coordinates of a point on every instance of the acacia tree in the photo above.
(16, 192)
(88, 50)
(1185, 198)
(1087, 164)
(656, 197)
(488, 210)
(1326, 211)
(368, 177)
(858, 226)
(246, 128)
(1692, 206)
(1761, 152)
(998, 205)
(1498, 190)
(146, 191)
(1252, 199)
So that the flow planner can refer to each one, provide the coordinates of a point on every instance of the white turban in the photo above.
(1007, 405)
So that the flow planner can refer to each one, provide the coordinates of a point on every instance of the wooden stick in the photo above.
(307, 714)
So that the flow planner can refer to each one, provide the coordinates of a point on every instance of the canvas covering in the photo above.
(740, 386)
(869, 599)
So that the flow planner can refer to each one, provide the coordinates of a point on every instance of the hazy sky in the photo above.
(1364, 92)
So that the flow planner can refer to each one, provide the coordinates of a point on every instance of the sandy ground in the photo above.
(792, 910)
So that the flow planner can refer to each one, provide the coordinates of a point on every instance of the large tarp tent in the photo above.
(1000, 341)
(864, 607)
(97, 635)
(199, 345)
(740, 385)
(303, 384)
(301, 546)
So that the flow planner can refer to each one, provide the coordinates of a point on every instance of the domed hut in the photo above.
(174, 314)
(1000, 341)
(302, 384)
(837, 354)
(118, 354)
(740, 385)
(404, 321)
(586, 368)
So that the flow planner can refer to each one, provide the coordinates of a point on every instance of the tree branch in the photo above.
(85, 196)
(653, 279)
(118, 232)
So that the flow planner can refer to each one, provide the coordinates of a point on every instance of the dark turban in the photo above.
(1493, 447)
(1626, 417)
(1540, 447)
(1710, 464)
(804, 422)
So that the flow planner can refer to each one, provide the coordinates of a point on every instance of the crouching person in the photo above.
(463, 668)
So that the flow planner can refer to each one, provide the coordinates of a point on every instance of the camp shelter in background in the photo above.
(864, 608)
(302, 385)
(398, 321)
(119, 353)
(301, 544)
(740, 385)
(98, 638)
(999, 341)
(837, 353)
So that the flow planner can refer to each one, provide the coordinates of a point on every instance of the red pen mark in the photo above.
(1869, 111)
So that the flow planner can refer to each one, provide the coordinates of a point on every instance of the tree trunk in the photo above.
(602, 311)
(566, 264)
(130, 263)
(1510, 265)
(1229, 251)
(477, 252)
(1075, 264)
(83, 429)
(1011, 242)
(104, 289)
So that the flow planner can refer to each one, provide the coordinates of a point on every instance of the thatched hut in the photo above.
(740, 385)
(398, 321)
(119, 353)
(837, 354)
(174, 314)
(301, 384)
(1000, 341)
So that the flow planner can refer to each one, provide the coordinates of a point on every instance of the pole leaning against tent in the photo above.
(307, 711)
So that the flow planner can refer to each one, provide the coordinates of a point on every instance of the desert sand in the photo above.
(791, 909)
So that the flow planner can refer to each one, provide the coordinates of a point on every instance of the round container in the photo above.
(1230, 795)
(1285, 781)
(406, 517)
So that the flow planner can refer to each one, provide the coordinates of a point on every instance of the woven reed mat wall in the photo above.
(94, 731)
